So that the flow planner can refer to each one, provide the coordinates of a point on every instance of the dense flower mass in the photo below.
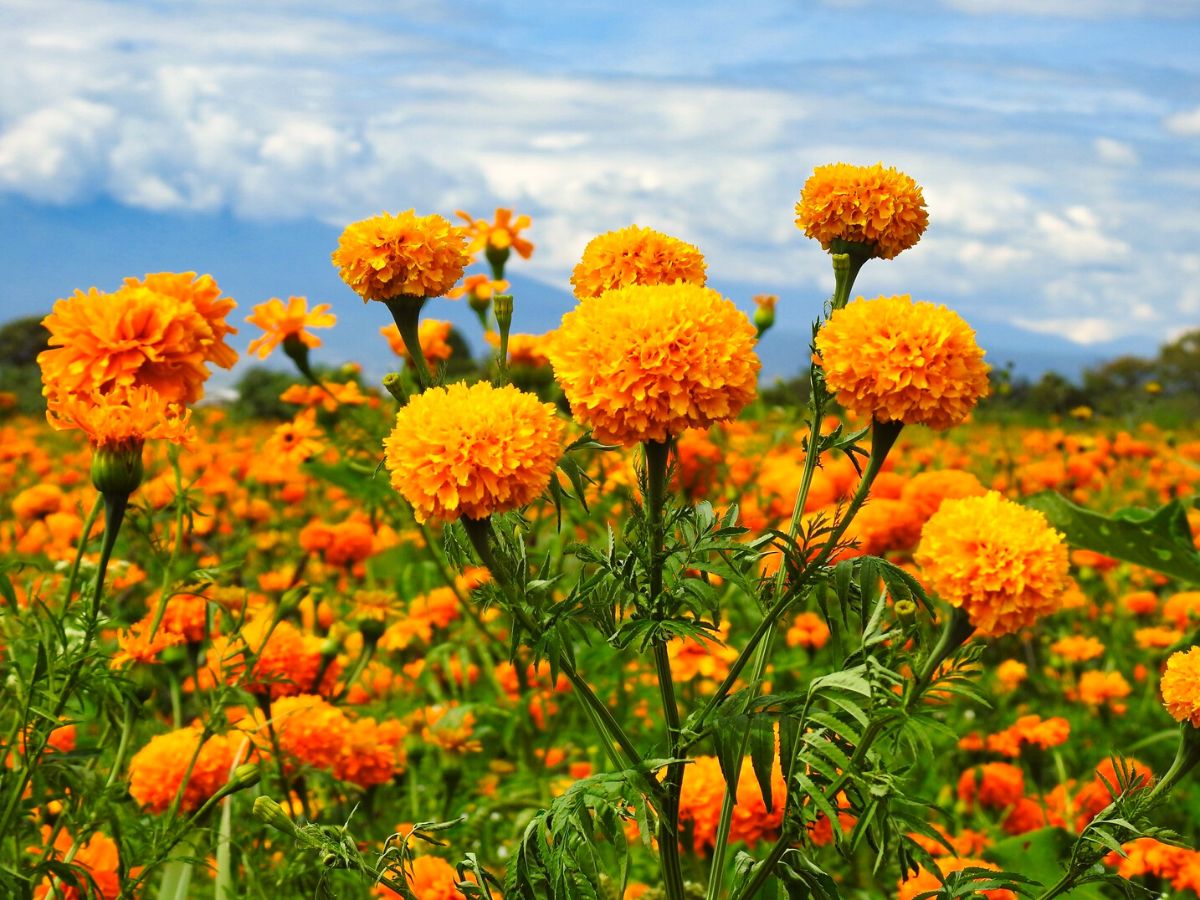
(472, 451)
(1181, 686)
(401, 256)
(635, 255)
(882, 208)
(158, 332)
(642, 363)
(281, 321)
(997, 560)
(894, 360)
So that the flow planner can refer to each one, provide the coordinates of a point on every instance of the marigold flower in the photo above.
(994, 785)
(97, 856)
(201, 294)
(401, 256)
(1181, 686)
(38, 501)
(297, 440)
(432, 333)
(472, 451)
(882, 208)
(158, 769)
(926, 491)
(1099, 688)
(642, 363)
(280, 322)
(998, 561)
(1140, 603)
(925, 881)
(1078, 648)
(893, 360)
(1030, 730)
(808, 630)
(1010, 674)
(636, 255)
(136, 645)
(523, 349)
(122, 419)
(480, 288)
(370, 755)
(704, 791)
(431, 878)
(1157, 638)
(1182, 609)
(502, 234)
(309, 729)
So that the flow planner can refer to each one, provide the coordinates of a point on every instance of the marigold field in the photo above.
(593, 618)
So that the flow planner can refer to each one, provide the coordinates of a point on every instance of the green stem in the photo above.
(407, 313)
(163, 596)
(610, 729)
(657, 455)
(83, 540)
(848, 259)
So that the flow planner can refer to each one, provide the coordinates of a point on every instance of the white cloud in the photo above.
(1118, 153)
(1185, 123)
(1076, 236)
(55, 153)
(1085, 330)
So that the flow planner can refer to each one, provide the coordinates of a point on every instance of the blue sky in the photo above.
(1058, 142)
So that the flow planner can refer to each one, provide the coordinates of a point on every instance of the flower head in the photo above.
(401, 256)
(635, 255)
(871, 205)
(644, 362)
(432, 333)
(1181, 686)
(159, 768)
(997, 560)
(279, 322)
(122, 419)
(480, 288)
(502, 234)
(898, 361)
(472, 451)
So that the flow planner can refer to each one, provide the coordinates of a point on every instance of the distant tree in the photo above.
(1179, 364)
(1053, 393)
(21, 340)
(258, 395)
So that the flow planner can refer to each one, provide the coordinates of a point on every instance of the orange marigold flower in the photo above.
(994, 785)
(472, 451)
(1078, 648)
(1182, 609)
(1157, 638)
(1140, 603)
(401, 256)
(370, 755)
(1010, 674)
(97, 856)
(926, 491)
(136, 645)
(1098, 688)
(925, 881)
(998, 561)
(158, 769)
(635, 255)
(1181, 686)
(432, 333)
(1032, 730)
(38, 502)
(481, 288)
(502, 234)
(523, 349)
(280, 322)
(202, 295)
(704, 791)
(808, 630)
(122, 419)
(431, 878)
(882, 208)
(297, 440)
(693, 658)
(309, 729)
(893, 360)
(641, 363)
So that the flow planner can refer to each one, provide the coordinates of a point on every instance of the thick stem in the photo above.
(848, 259)
(407, 313)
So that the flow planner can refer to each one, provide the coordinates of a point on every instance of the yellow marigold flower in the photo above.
(158, 769)
(503, 234)
(523, 349)
(635, 255)
(1181, 686)
(279, 322)
(432, 334)
(882, 208)
(480, 287)
(898, 361)
(123, 419)
(401, 256)
(644, 362)
(1098, 688)
(1078, 648)
(297, 440)
(472, 451)
(997, 560)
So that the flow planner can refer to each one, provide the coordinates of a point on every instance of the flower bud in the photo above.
(245, 776)
(504, 311)
(117, 470)
(274, 815)
(764, 314)
(906, 611)
(393, 382)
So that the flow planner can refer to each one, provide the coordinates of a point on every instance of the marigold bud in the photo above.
(117, 470)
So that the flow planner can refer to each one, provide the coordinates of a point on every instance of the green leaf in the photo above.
(1156, 539)
(762, 757)
(1041, 856)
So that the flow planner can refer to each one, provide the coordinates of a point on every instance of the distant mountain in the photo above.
(50, 251)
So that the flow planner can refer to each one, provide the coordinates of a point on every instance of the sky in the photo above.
(1057, 142)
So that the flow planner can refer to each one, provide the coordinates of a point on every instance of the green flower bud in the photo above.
(117, 470)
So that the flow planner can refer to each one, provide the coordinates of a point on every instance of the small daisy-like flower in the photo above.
(998, 561)
(635, 255)
(280, 322)
(881, 208)
(894, 360)
(502, 234)
(472, 451)
(387, 256)
(644, 362)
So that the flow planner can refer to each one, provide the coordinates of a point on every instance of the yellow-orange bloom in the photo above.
(401, 256)
(1078, 648)
(502, 234)
(279, 322)
(158, 769)
(432, 334)
(882, 208)
(122, 419)
(997, 560)
(1181, 686)
(894, 360)
(297, 440)
(158, 333)
(480, 287)
(644, 362)
(523, 349)
(472, 451)
(635, 255)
